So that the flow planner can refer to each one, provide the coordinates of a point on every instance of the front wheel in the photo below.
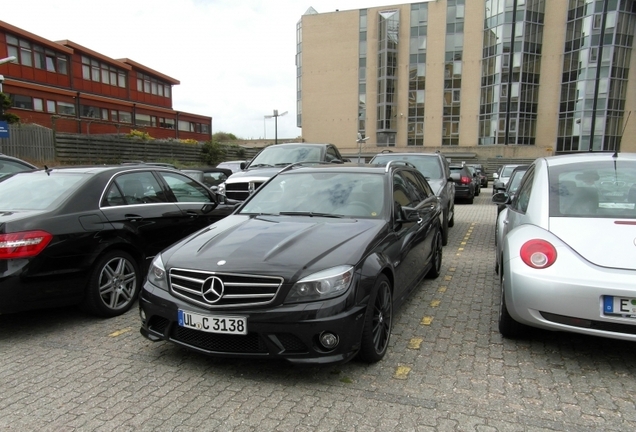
(436, 259)
(377, 323)
(113, 285)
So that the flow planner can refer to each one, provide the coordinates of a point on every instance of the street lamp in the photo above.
(360, 141)
(276, 115)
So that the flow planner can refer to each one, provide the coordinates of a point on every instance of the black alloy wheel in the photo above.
(378, 322)
(113, 285)
(436, 259)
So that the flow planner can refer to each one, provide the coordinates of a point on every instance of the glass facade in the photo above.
(299, 70)
(417, 74)
(513, 39)
(453, 71)
(598, 45)
(362, 75)
(388, 38)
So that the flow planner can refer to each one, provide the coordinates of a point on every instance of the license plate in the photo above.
(213, 323)
(623, 306)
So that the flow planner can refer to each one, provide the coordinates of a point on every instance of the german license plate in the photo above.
(213, 323)
(624, 306)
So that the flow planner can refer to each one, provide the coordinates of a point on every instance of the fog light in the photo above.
(328, 340)
(142, 314)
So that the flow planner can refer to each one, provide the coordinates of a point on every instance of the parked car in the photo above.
(234, 165)
(85, 235)
(501, 177)
(513, 184)
(566, 252)
(159, 164)
(435, 167)
(464, 184)
(209, 176)
(270, 161)
(476, 179)
(483, 175)
(10, 165)
(310, 269)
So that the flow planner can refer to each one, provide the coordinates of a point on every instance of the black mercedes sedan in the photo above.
(86, 235)
(308, 269)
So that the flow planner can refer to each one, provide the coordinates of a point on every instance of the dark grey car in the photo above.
(435, 168)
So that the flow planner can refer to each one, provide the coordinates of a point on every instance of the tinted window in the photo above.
(37, 190)
(285, 155)
(331, 154)
(184, 188)
(406, 190)
(342, 193)
(521, 200)
(139, 187)
(602, 189)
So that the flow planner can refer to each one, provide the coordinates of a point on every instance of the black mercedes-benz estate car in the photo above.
(308, 269)
(86, 235)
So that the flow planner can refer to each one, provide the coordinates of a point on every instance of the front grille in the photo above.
(238, 290)
(245, 344)
(240, 191)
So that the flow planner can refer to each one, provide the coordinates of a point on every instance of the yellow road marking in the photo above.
(427, 320)
(120, 332)
(415, 343)
(442, 289)
(448, 278)
(435, 303)
(402, 372)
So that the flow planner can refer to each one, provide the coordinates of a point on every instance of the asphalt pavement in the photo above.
(447, 369)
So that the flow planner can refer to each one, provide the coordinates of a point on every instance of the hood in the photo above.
(254, 174)
(436, 185)
(287, 246)
(604, 242)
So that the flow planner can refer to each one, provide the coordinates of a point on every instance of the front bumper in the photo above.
(287, 332)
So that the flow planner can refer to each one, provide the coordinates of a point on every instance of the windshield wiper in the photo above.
(311, 214)
(261, 165)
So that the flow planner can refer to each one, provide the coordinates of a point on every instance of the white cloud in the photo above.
(234, 58)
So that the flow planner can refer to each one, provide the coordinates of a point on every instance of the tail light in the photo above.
(465, 180)
(538, 254)
(24, 244)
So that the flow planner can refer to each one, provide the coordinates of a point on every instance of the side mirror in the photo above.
(501, 198)
(495, 176)
(242, 165)
(410, 214)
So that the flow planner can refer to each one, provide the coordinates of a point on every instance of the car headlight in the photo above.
(221, 189)
(322, 285)
(157, 273)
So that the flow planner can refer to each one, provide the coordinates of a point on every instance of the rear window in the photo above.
(38, 190)
(429, 166)
(603, 189)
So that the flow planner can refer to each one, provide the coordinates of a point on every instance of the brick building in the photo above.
(71, 88)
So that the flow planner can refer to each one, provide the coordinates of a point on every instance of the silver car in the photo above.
(566, 252)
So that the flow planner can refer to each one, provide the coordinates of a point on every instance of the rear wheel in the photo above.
(436, 259)
(377, 323)
(113, 285)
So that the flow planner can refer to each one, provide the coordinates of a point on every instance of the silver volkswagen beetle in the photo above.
(566, 252)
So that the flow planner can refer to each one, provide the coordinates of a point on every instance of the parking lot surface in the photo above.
(447, 369)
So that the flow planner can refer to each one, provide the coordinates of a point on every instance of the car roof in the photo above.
(342, 168)
(587, 157)
(98, 169)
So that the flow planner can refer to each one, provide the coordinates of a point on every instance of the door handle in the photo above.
(192, 214)
(132, 217)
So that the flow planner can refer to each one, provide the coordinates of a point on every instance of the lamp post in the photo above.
(360, 141)
(276, 115)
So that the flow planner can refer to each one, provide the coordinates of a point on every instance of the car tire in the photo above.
(445, 225)
(436, 259)
(508, 327)
(477, 191)
(471, 200)
(378, 322)
(113, 285)
(451, 221)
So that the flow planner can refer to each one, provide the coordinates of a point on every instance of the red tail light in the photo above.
(25, 244)
(538, 254)
(465, 180)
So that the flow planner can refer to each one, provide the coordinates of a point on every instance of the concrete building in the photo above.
(71, 88)
(510, 78)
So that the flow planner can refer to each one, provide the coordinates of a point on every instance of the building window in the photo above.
(36, 56)
(102, 72)
(22, 102)
(125, 117)
(186, 126)
(166, 123)
(38, 104)
(150, 85)
(104, 114)
(142, 120)
(90, 111)
(50, 106)
(66, 108)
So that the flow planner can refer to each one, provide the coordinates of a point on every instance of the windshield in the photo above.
(601, 189)
(429, 166)
(344, 194)
(285, 155)
(37, 190)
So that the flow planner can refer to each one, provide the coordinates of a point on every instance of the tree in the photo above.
(221, 137)
(213, 153)
(5, 104)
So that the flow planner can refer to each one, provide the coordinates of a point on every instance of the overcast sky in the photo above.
(234, 58)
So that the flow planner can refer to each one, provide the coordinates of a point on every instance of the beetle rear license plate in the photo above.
(213, 323)
(622, 306)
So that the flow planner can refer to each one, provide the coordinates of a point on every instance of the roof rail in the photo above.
(297, 164)
(398, 162)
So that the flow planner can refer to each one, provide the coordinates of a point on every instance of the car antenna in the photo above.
(47, 170)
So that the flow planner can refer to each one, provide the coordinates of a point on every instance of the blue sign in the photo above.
(4, 129)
